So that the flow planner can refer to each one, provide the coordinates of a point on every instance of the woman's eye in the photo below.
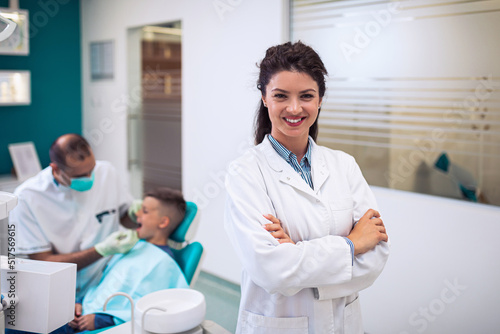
(279, 96)
(307, 96)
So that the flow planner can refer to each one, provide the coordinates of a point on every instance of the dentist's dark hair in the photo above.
(296, 57)
(71, 144)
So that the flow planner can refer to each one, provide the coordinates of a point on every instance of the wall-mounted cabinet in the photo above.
(15, 88)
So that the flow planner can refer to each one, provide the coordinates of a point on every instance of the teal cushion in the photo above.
(188, 259)
(179, 234)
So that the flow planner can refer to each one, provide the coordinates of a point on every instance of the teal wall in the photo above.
(55, 64)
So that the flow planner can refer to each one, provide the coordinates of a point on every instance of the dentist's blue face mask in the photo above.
(82, 183)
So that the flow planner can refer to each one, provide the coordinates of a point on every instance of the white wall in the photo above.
(222, 41)
(436, 244)
(435, 241)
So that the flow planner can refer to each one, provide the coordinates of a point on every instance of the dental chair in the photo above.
(187, 255)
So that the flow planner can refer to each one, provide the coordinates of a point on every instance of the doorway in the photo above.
(155, 118)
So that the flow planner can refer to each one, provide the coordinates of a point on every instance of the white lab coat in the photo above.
(312, 286)
(54, 217)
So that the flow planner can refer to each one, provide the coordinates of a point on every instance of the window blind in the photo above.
(413, 90)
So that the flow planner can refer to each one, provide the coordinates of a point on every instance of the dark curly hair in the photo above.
(296, 57)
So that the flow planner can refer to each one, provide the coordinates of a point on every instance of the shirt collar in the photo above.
(286, 153)
(53, 178)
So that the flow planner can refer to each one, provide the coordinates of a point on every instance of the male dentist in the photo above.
(71, 212)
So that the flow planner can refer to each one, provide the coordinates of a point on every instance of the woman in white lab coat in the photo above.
(301, 217)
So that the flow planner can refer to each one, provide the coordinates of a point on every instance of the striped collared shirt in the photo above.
(304, 168)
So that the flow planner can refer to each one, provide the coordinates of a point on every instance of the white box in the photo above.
(45, 294)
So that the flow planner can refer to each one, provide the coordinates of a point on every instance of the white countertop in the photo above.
(208, 326)
(8, 183)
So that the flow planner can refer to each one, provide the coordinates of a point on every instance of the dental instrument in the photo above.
(131, 305)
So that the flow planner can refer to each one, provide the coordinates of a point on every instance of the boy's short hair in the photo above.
(174, 203)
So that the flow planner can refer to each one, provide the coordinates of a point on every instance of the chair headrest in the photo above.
(187, 227)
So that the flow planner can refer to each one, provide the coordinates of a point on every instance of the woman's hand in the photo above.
(368, 232)
(276, 230)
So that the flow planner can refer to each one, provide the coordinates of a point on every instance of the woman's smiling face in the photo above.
(292, 99)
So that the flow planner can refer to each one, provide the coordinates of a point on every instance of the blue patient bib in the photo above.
(144, 269)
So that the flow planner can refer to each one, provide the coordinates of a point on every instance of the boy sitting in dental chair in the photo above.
(148, 267)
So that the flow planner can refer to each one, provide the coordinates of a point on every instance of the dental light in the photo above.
(7, 27)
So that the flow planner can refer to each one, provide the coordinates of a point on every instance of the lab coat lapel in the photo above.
(292, 178)
(319, 169)
(284, 171)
